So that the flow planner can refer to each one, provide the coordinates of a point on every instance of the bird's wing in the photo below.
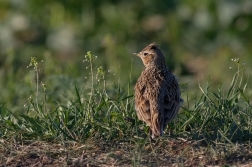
(142, 104)
(171, 100)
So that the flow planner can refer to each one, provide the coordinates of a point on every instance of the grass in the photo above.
(98, 126)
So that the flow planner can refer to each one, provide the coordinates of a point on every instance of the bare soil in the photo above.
(164, 152)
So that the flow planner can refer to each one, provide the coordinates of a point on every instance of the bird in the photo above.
(157, 92)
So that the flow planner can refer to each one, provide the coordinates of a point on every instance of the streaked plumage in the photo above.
(157, 93)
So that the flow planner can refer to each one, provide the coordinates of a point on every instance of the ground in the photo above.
(164, 152)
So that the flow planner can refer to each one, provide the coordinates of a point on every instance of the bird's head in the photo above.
(151, 55)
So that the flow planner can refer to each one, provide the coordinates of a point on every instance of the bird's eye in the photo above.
(145, 53)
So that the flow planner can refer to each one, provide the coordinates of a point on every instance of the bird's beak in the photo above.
(136, 54)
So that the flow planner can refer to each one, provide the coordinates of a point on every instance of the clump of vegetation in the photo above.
(100, 121)
(92, 113)
(222, 115)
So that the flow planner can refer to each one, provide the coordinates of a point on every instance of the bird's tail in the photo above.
(156, 125)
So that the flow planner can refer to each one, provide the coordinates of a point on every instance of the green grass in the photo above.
(99, 120)
(222, 115)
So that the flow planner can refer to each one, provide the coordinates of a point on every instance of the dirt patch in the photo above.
(165, 152)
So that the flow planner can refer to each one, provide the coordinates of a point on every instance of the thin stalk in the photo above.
(128, 94)
(92, 80)
(37, 87)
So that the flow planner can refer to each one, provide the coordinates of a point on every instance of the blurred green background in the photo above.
(198, 38)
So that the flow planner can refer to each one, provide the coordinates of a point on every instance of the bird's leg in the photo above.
(150, 132)
(170, 131)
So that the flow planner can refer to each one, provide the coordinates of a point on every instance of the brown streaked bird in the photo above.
(157, 93)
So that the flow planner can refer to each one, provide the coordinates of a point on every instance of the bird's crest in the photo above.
(151, 46)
